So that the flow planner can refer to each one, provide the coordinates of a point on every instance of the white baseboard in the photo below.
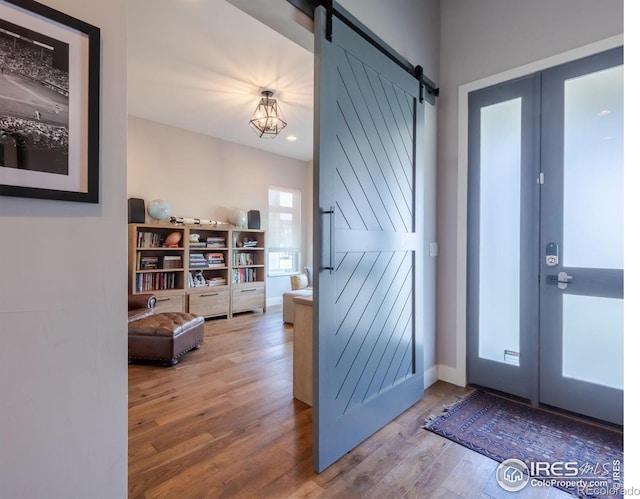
(430, 376)
(277, 300)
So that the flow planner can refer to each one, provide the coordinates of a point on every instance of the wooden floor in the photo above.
(223, 423)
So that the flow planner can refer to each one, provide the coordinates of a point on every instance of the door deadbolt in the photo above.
(552, 254)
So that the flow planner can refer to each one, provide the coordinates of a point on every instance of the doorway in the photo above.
(545, 238)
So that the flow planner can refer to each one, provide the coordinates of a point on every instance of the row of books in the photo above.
(152, 262)
(150, 239)
(211, 242)
(217, 281)
(198, 261)
(156, 281)
(215, 260)
(216, 242)
(208, 260)
(244, 275)
(244, 259)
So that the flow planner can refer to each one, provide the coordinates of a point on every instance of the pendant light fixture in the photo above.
(267, 120)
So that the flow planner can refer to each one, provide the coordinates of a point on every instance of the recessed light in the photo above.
(292, 138)
(604, 112)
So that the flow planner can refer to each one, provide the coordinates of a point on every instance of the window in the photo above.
(285, 231)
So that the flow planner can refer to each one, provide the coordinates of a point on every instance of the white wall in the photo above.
(205, 177)
(481, 38)
(63, 361)
(411, 27)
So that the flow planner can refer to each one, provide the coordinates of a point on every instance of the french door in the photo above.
(545, 289)
(368, 360)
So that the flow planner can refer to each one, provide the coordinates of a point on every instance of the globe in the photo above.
(158, 209)
(238, 218)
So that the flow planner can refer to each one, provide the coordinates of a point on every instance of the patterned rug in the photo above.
(539, 447)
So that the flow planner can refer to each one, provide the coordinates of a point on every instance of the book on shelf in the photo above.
(172, 262)
(156, 281)
(217, 281)
(199, 265)
(148, 262)
(244, 275)
(215, 242)
(197, 245)
(198, 261)
(150, 239)
(243, 259)
(215, 260)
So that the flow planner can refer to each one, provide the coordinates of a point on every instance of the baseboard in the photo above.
(277, 300)
(430, 376)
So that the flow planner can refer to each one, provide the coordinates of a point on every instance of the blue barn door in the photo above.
(368, 244)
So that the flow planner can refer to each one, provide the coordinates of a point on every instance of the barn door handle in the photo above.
(332, 238)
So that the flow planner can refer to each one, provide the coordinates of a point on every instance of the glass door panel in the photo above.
(593, 170)
(502, 243)
(592, 340)
(500, 178)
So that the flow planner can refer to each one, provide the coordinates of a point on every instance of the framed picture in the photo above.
(49, 104)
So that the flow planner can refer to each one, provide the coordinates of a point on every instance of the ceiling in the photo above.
(201, 65)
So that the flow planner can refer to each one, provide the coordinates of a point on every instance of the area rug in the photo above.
(541, 447)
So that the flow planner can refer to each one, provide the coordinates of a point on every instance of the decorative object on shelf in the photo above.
(158, 209)
(196, 221)
(238, 218)
(173, 239)
(46, 155)
(253, 219)
(267, 120)
(199, 280)
(136, 210)
(194, 238)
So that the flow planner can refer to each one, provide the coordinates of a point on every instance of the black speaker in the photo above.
(253, 219)
(136, 211)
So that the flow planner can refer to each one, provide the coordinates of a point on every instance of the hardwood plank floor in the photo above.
(223, 424)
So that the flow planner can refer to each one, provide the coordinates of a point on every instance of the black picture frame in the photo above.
(50, 151)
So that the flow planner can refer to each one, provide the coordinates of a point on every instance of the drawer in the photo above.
(169, 303)
(209, 302)
(248, 297)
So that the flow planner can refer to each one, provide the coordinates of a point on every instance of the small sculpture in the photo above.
(173, 239)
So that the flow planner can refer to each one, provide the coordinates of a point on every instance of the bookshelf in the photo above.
(208, 271)
(247, 270)
(156, 264)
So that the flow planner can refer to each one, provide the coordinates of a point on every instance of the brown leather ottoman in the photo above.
(165, 336)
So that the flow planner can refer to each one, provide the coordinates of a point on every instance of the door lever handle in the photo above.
(562, 280)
